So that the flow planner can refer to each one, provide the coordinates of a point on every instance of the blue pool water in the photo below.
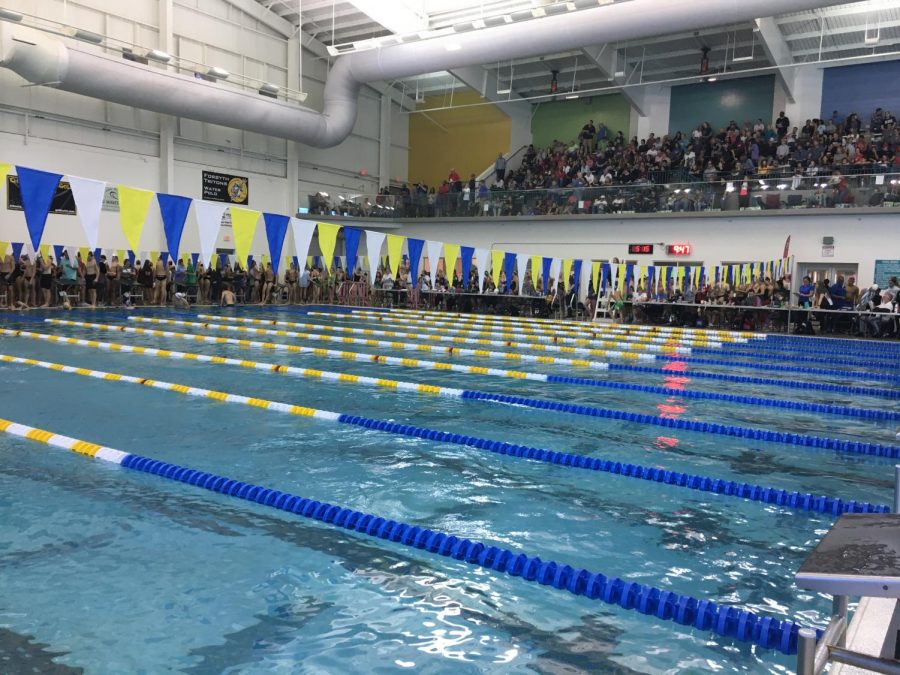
(115, 571)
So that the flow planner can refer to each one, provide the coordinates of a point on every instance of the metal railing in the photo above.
(662, 192)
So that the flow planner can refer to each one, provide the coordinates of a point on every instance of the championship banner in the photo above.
(220, 187)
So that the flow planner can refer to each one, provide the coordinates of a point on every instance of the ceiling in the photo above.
(859, 29)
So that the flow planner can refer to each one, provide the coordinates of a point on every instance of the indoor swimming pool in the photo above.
(690, 465)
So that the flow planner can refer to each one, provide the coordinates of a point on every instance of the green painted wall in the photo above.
(718, 103)
(562, 120)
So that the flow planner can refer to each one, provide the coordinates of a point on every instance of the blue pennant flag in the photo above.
(97, 253)
(131, 256)
(223, 260)
(17, 250)
(57, 252)
(576, 270)
(276, 228)
(351, 247)
(546, 263)
(194, 258)
(465, 254)
(174, 210)
(37, 189)
(415, 255)
(296, 262)
(509, 262)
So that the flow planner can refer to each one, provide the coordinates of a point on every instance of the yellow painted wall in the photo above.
(469, 141)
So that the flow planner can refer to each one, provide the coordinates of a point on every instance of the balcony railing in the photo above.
(667, 192)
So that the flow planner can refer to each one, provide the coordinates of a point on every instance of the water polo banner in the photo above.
(221, 187)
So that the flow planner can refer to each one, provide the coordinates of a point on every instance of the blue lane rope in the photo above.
(704, 615)
(850, 374)
(830, 343)
(748, 379)
(805, 440)
(757, 493)
(864, 413)
(844, 356)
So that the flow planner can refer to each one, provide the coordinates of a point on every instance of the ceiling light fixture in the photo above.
(86, 36)
(218, 73)
(9, 15)
(158, 55)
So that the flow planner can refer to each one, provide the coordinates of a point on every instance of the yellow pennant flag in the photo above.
(4, 247)
(620, 277)
(309, 261)
(567, 270)
(243, 222)
(121, 254)
(287, 261)
(395, 251)
(264, 261)
(496, 266)
(4, 169)
(154, 256)
(327, 241)
(384, 262)
(536, 263)
(596, 266)
(133, 205)
(642, 274)
(44, 250)
(451, 255)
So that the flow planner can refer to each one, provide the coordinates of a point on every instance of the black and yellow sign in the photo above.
(220, 187)
(63, 202)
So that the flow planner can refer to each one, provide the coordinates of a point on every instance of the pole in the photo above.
(806, 651)
(897, 488)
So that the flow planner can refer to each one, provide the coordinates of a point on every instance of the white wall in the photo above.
(748, 237)
(807, 95)
(656, 100)
(57, 131)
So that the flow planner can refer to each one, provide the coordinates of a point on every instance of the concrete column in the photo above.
(167, 123)
(384, 143)
(294, 81)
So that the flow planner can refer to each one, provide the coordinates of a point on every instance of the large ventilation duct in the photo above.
(42, 59)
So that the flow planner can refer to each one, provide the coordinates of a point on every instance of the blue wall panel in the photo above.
(718, 103)
(861, 89)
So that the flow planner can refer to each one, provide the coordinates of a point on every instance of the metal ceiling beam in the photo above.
(835, 49)
(606, 59)
(828, 12)
(779, 53)
(839, 30)
(265, 16)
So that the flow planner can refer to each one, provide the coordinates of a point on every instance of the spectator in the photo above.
(500, 167)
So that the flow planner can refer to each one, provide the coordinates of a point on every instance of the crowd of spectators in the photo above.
(564, 175)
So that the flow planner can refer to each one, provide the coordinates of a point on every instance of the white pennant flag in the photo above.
(521, 266)
(374, 241)
(209, 219)
(88, 195)
(434, 254)
(554, 273)
(585, 283)
(482, 260)
(303, 233)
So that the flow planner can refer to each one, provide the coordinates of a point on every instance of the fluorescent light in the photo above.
(218, 73)
(538, 12)
(571, 96)
(158, 55)
(9, 15)
(507, 18)
(270, 88)
(711, 79)
(738, 59)
(478, 23)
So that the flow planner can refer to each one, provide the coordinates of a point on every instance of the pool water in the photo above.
(111, 571)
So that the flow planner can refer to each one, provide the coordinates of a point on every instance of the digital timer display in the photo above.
(640, 249)
(678, 249)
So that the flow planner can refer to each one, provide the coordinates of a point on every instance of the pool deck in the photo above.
(872, 631)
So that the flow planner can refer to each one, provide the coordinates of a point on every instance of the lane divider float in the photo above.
(864, 413)
(431, 389)
(586, 325)
(517, 332)
(880, 392)
(847, 411)
(526, 343)
(706, 616)
(459, 340)
(804, 440)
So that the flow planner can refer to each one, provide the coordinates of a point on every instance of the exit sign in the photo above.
(678, 249)
(640, 249)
